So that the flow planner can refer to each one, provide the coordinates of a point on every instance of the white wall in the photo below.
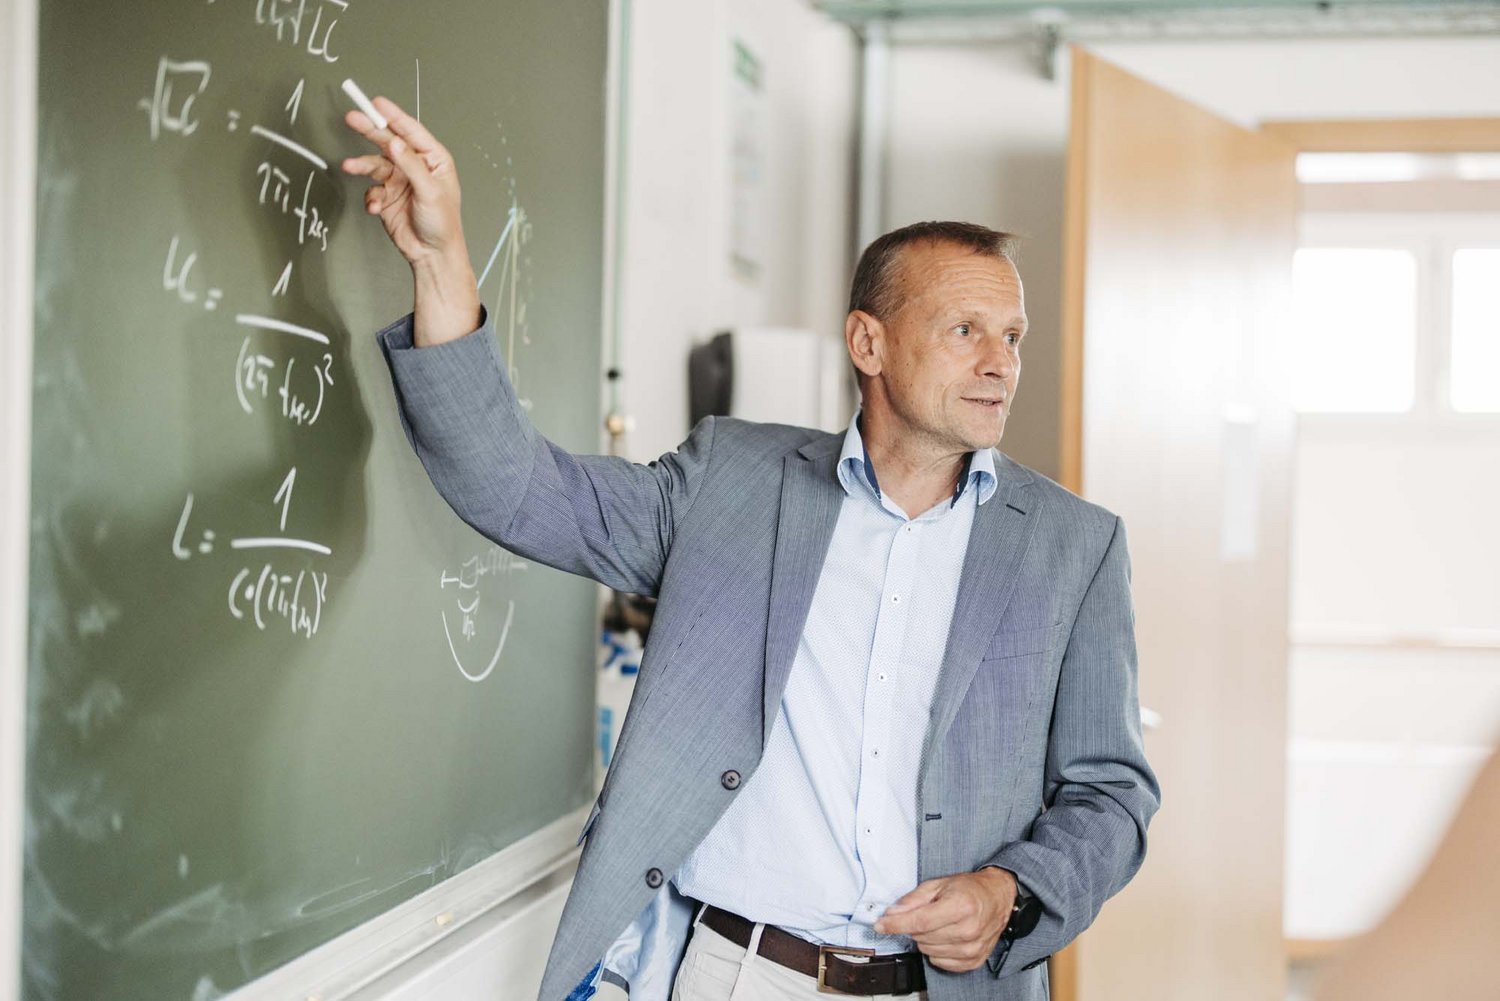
(1395, 535)
(1251, 82)
(978, 135)
(678, 284)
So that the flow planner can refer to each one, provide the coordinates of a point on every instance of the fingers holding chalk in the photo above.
(363, 104)
(404, 131)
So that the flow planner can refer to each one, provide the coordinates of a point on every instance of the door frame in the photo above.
(1388, 135)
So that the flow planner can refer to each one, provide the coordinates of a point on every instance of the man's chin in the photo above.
(988, 438)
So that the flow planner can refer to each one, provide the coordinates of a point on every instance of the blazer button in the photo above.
(730, 779)
(653, 877)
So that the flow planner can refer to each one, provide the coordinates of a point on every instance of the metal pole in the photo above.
(874, 124)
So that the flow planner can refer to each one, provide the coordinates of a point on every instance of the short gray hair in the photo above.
(876, 286)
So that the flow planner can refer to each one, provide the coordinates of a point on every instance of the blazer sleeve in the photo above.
(1099, 793)
(602, 517)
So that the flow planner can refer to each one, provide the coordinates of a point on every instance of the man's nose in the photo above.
(996, 361)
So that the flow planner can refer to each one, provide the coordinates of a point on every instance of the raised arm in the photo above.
(416, 194)
(598, 516)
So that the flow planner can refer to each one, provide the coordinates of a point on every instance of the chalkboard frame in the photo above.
(18, 118)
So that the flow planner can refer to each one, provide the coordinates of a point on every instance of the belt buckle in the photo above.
(824, 951)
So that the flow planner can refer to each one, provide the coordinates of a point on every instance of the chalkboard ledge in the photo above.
(378, 957)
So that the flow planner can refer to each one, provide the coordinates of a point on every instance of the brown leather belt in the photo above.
(869, 974)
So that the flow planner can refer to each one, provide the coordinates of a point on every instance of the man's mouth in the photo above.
(985, 402)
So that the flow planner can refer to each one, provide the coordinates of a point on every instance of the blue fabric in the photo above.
(585, 988)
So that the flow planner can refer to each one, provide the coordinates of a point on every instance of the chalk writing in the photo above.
(268, 323)
(512, 285)
(294, 103)
(268, 593)
(170, 106)
(465, 584)
(276, 190)
(289, 16)
(253, 377)
(175, 278)
(296, 599)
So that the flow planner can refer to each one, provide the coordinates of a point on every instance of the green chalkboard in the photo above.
(275, 686)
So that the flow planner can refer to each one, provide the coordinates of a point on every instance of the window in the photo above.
(1356, 315)
(1474, 373)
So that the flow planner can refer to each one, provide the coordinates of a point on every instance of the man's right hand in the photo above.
(415, 192)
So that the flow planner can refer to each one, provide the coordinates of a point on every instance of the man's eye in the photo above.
(962, 328)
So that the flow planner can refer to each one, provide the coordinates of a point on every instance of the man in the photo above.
(886, 737)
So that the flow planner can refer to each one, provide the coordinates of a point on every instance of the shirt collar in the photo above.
(855, 467)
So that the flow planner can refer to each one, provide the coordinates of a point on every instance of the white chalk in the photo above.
(363, 104)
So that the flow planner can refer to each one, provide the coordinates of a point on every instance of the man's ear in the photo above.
(864, 336)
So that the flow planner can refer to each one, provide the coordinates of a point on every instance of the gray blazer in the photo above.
(1033, 758)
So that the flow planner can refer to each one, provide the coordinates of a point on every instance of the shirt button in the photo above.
(881, 677)
(730, 779)
(875, 753)
(653, 877)
(895, 597)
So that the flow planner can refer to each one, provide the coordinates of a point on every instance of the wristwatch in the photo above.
(1025, 913)
(1024, 916)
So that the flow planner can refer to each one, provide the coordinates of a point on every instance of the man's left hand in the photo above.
(956, 920)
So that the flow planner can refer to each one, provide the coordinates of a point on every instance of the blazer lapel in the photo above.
(1002, 530)
(810, 499)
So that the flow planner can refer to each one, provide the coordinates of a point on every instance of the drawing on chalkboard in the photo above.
(511, 293)
(466, 581)
(505, 276)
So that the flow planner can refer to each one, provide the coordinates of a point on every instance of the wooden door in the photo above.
(1180, 233)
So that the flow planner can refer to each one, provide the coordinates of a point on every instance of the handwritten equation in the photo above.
(287, 18)
(263, 594)
(284, 365)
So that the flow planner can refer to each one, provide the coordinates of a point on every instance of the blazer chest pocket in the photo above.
(1021, 642)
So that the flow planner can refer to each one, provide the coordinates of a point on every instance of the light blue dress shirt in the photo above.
(823, 837)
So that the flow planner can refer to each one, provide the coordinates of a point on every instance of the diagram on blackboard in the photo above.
(505, 282)
(467, 598)
(510, 292)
